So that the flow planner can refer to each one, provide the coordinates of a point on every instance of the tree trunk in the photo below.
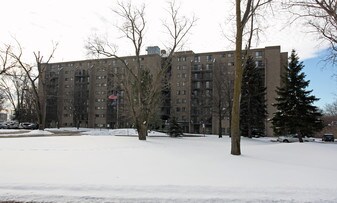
(220, 118)
(235, 125)
(41, 106)
(40, 95)
(300, 137)
(40, 118)
(142, 131)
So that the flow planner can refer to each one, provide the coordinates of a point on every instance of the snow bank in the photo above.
(164, 169)
(121, 132)
(24, 133)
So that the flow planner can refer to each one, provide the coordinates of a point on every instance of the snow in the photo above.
(22, 133)
(102, 167)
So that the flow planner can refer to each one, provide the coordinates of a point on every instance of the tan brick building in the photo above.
(77, 92)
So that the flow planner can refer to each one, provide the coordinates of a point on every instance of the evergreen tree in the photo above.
(295, 110)
(253, 104)
(175, 129)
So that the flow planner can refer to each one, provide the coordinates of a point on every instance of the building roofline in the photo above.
(156, 55)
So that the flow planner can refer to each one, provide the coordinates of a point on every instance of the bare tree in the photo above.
(223, 92)
(243, 18)
(36, 79)
(5, 59)
(321, 16)
(14, 86)
(331, 109)
(143, 85)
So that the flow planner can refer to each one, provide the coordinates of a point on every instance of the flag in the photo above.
(112, 97)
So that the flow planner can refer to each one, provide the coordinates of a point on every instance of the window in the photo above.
(208, 76)
(229, 55)
(209, 66)
(209, 58)
(258, 54)
(230, 64)
(208, 93)
(196, 59)
(100, 115)
(182, 58)
(259, 64)
(197, 85)
(197, 67)
(208, 84)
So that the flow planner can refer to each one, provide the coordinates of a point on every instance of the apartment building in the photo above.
(78, 91)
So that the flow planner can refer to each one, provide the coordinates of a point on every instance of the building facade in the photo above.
(199, 92)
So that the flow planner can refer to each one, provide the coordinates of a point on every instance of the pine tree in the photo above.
(296, 113)
(253, 104)
(175, 129)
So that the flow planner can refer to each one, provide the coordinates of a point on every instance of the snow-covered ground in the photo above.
(102, 167)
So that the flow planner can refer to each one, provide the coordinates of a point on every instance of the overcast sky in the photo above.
(36, 24)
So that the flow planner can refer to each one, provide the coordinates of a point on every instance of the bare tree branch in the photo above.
(5, 60)
(178, 27)
(321, 16)
(35, 77)
(144, 84)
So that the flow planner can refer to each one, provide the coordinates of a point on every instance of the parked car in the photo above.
(294, 138)
(3, 125)
(27, 125)
(12, 125)
(257, 133)
(328, 137)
